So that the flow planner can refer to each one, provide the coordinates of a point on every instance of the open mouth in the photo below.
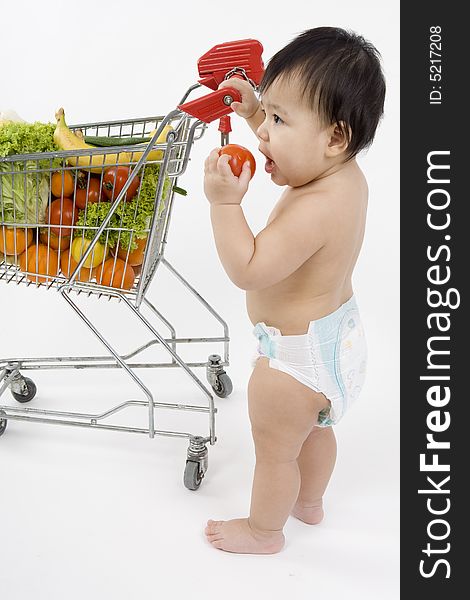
(270, 164)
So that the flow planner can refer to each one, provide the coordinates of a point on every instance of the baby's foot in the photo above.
(312, 514)
(237, 535)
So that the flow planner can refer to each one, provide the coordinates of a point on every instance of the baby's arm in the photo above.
(249, 108)
(280, 248)
(283, 246)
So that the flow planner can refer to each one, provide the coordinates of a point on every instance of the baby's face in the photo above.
(291, 137)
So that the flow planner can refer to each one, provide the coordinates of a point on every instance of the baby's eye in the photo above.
(277, 119)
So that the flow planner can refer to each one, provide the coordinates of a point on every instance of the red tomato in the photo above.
(90, 193)
(114, 180)
(38, 259)
(239, 155)
(68, 266)
(135, 257)
(14, 240)
(115, 273)
(62, 213)
(62, 183)
(51, 239)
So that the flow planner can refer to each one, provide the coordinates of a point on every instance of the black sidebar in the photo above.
(435, 330)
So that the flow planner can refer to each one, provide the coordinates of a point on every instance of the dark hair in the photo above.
(340, 77)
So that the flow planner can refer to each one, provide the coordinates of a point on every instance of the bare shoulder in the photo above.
(327, 199)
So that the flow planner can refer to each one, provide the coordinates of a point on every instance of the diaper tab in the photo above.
(266, 345)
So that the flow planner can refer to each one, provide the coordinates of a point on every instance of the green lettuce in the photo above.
(23, 196)
(134, 216)
(26, 138)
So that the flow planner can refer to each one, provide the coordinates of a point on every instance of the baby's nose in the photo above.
(262, 133)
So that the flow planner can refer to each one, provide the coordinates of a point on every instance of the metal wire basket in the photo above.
(80, 230)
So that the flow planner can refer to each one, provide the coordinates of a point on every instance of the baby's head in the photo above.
(338, 75)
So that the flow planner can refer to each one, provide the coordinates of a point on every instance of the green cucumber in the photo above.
(105, 142)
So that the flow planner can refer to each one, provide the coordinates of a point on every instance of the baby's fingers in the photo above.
(210, 164)
(223, 165)
(245, 175)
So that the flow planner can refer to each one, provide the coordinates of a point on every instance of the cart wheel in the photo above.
(30, 391)
(3, 423)
(223, 386)
(192, 475)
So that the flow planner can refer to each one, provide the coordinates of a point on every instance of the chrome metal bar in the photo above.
(189, 143)
(131, 373)
(107, 358)
(8, 376)
(169, 349)
(104, 415)
(166, 322)
(191, 89)
(204, 303)
(100, 426)
(103, 365)
(184, 367)
(144, 278)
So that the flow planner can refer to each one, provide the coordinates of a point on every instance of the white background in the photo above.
(95, 514)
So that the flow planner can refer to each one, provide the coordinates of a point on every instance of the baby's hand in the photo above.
(249, 104)
(220, 184)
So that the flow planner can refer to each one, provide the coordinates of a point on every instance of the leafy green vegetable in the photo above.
(23, 196)
(134, 217)
(26, 138)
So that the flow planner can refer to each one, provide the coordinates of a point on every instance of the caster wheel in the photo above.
(29, 388)
(3, 423)
(223, 386)
(192, 475)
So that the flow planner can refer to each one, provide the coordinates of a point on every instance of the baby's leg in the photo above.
(316, 461)
(281, 411)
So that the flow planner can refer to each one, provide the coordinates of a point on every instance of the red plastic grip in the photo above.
(214, 65)
(212, 106)
(225, 125)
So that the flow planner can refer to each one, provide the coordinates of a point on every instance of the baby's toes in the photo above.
(218, 543)
(213, 527)
(215, 537)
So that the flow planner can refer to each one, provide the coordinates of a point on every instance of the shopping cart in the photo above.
(87, 227)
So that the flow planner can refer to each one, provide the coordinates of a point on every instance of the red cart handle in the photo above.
(242, 59)
(212, 106)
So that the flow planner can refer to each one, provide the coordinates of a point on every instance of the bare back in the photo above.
(323, 282)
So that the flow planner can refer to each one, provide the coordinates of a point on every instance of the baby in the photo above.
(321, 99)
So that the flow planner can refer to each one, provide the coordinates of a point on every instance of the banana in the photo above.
(161, 139)
(66, 139)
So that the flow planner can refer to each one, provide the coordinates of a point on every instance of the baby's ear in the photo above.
(339, 138)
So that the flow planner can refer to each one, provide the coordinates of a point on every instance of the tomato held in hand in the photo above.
(239, 155)
(114, 180)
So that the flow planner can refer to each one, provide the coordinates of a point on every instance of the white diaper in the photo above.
(330, 358)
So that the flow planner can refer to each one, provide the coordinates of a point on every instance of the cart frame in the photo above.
(174, 162)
